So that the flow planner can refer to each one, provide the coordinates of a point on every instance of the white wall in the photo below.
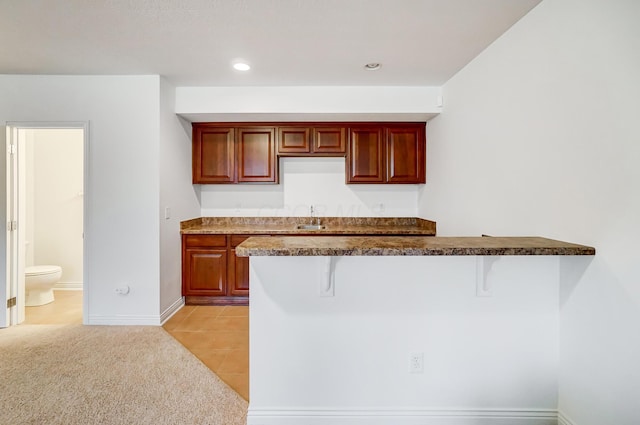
(310, 181)
(121, 230)
(55, 201)
(176, 193)
(539, 136)
(345, 359)
(347, 103)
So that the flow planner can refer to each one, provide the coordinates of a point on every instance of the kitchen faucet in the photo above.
(317, 219)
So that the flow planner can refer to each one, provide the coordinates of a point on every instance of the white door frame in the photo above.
(13, 261)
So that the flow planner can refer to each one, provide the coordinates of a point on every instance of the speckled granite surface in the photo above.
(399, 245)
(287, 226)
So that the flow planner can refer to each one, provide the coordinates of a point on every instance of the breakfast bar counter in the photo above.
(407, 246)
(406, 329)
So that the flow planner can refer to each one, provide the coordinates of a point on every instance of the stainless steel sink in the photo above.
(310, 227)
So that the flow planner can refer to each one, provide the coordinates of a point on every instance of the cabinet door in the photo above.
(365, 157)
(406, 154)
(205, 272)
(238, 275)
(213, 154)
(256, 152)
(294, 140)
(329, 140)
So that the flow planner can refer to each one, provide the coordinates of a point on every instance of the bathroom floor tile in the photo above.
(66, 309)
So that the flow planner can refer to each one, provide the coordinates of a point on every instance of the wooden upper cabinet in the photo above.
(213, 154)
(366, 155)
(406, 154)
(293, 140)
(224, 154)
(394, 153)
(385, 152)
(312, 141)
(256, 153)
(329, 140)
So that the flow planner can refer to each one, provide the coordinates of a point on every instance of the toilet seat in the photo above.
(41, 270)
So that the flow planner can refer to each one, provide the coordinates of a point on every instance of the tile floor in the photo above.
(219, 337)
(65, 309)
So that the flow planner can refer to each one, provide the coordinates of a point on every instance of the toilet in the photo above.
(38, 283)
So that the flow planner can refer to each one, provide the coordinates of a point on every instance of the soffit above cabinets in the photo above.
(262, 104)
(317, 117)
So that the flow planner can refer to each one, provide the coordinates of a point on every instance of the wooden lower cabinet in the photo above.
(212, 274)
(238, 268)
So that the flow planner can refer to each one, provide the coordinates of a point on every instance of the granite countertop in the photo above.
(287, 226)
(400, 245)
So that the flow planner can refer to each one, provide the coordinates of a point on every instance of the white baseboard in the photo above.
(402, 416)
(124, 320)
(564, 420)
(137, 320)
(171, 310)
(68, 286)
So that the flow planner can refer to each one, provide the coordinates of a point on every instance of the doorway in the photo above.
(46, 180)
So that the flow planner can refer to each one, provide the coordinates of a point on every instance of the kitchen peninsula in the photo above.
(212, 273)
(407, 330)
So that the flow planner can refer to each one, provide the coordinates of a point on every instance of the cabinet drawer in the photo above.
(205, 240)
(238, 239)
(330, 140)
(294, 140)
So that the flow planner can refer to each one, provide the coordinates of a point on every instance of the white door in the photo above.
(9, 291)
(16, 194)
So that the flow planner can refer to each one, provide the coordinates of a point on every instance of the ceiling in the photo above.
(287, 42)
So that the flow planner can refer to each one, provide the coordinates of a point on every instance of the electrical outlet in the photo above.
(416, 362)
(122, 290)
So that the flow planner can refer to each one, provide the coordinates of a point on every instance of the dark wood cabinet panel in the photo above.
(312, 140)
(208, 241)
(394, 153)
(256, 153)
(330, 140)
(213, 155)
(375, 153)
(406, 155)
(204, 265)
(238, 275)
(212, 273)
(294, 140)
(238, 269)
(206, 272)
(366, 156)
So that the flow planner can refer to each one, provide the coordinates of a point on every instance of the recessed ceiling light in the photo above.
(373, 66)
(241, 66)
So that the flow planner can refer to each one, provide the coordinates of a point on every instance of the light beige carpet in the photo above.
(74, 374)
